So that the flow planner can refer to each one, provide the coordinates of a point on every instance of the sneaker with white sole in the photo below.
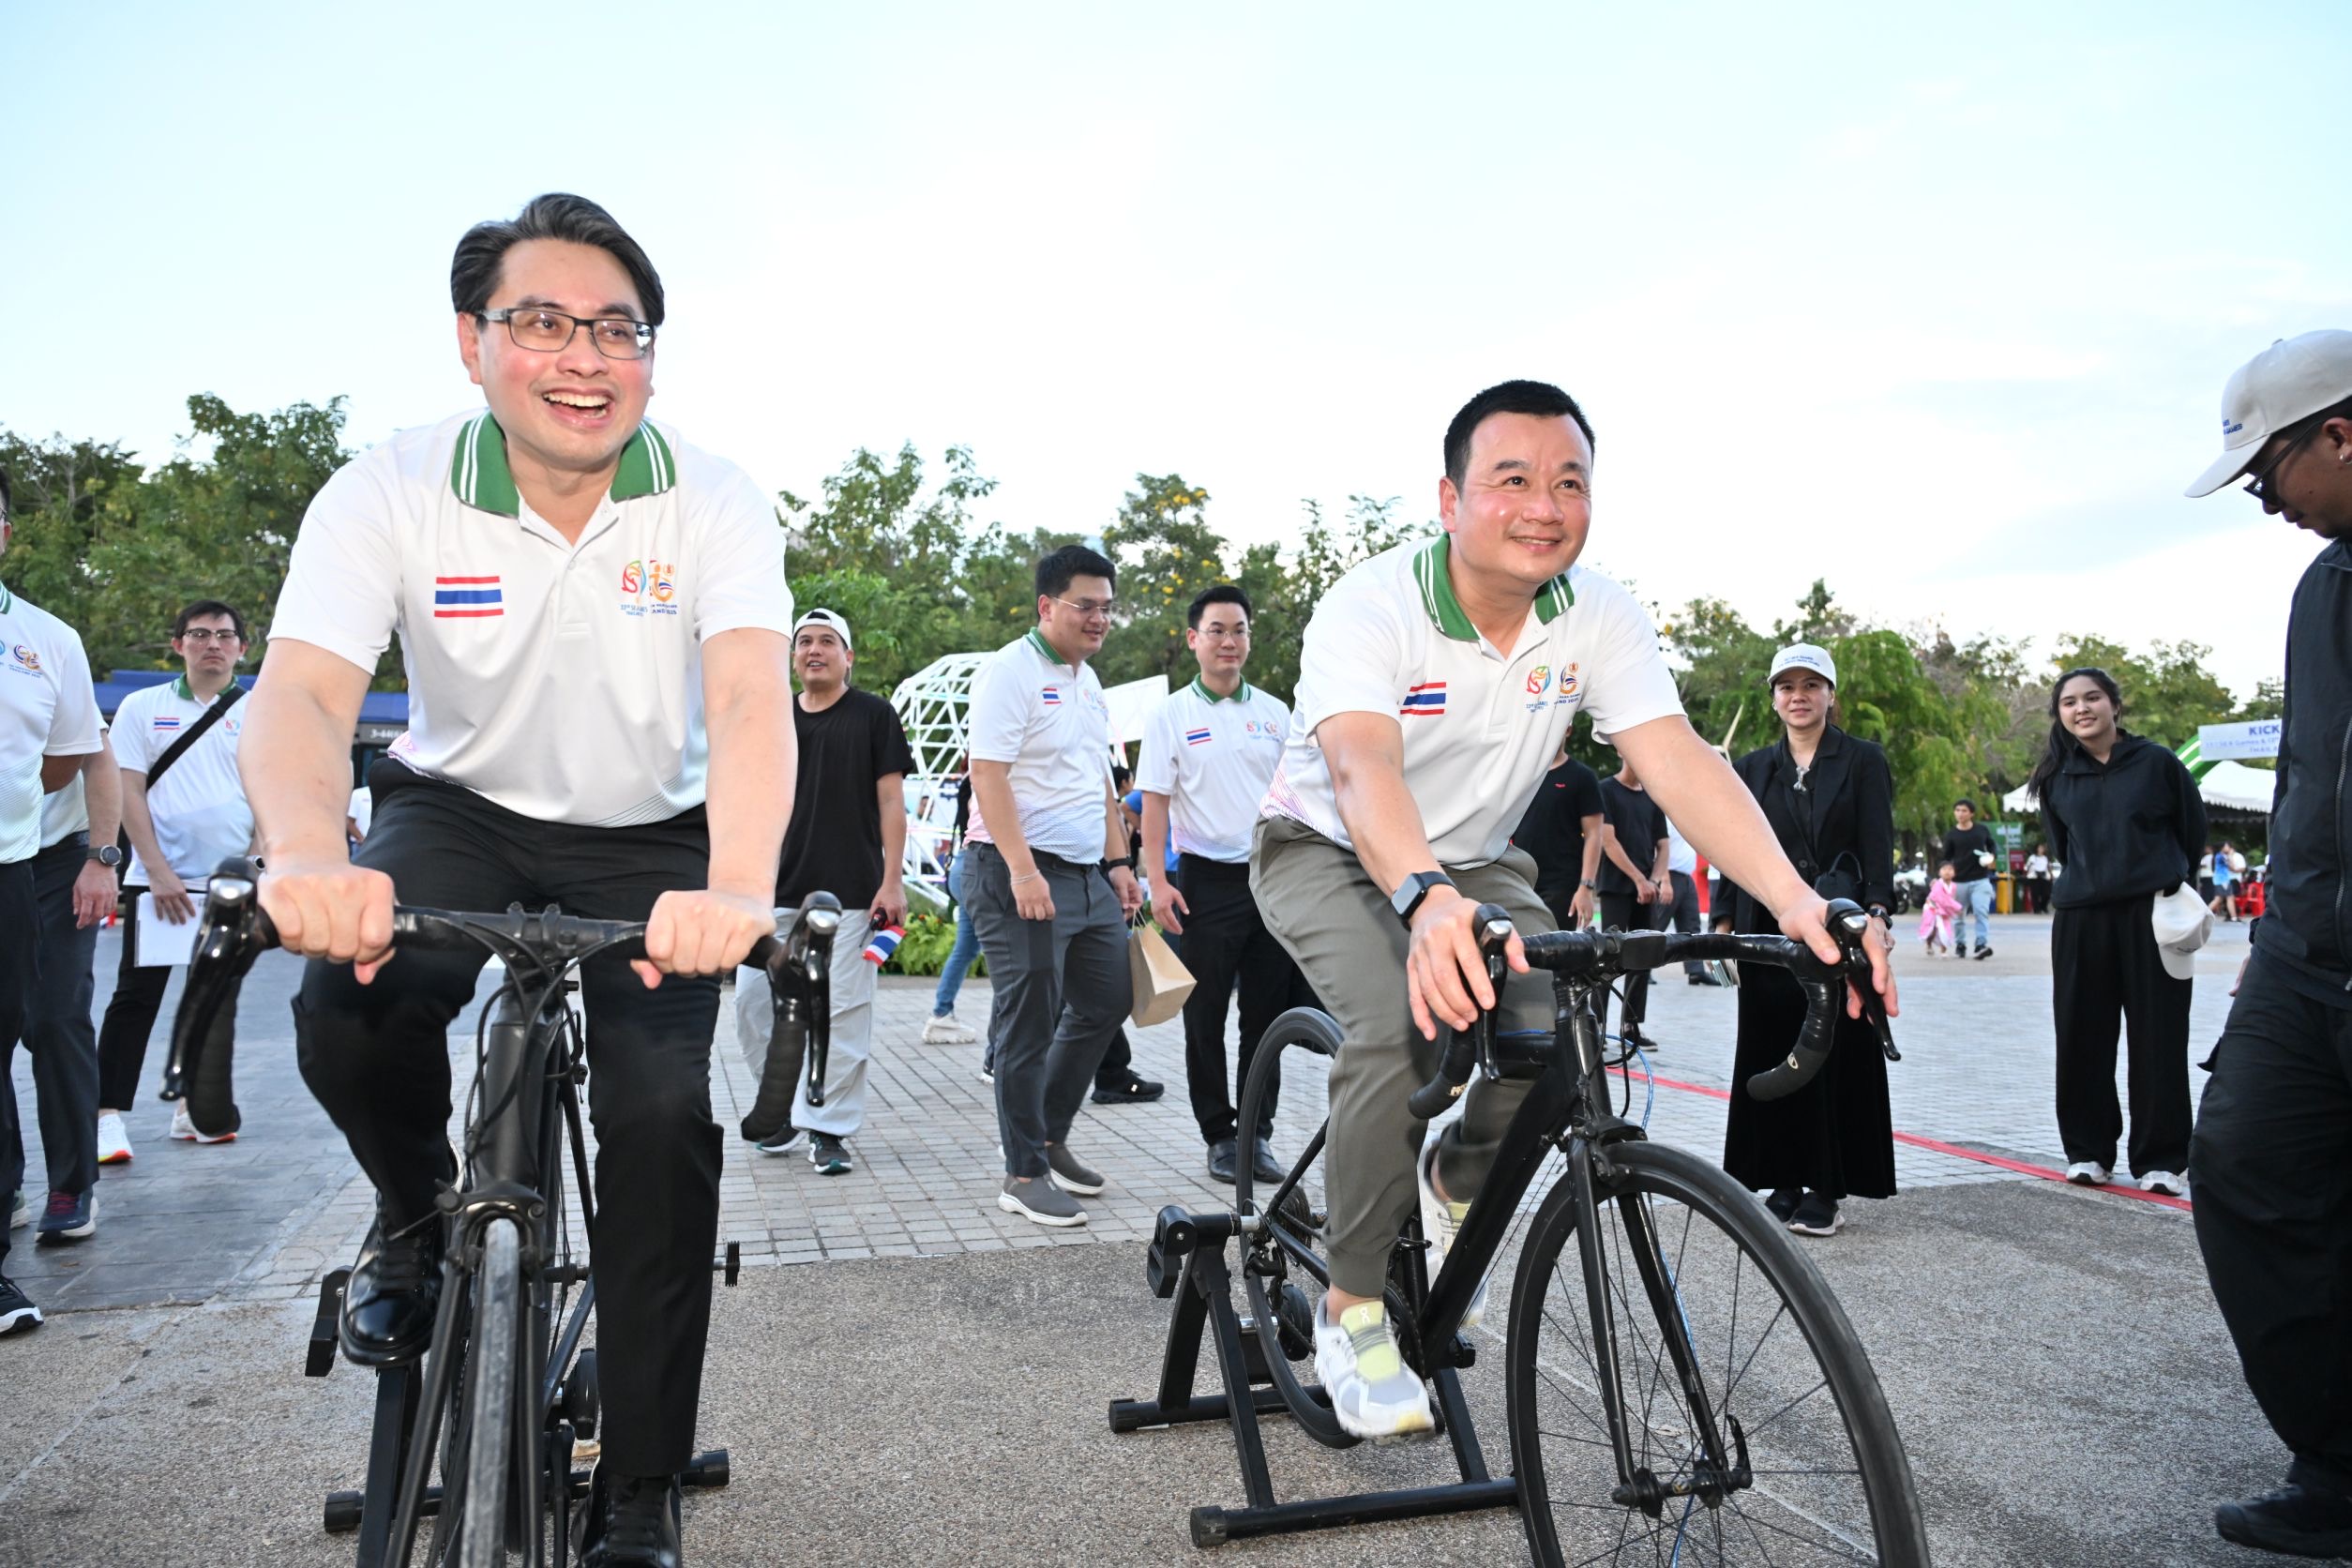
(1439, 1219)
(184, 1130)
(944, 1030)
(17, 1310)
(828, 1155)
(1373, 1392)
(1070, 1173)
(2089, 1173)
(1816, 1215)
(113, 1141)
(20, 1213)
(789, 1141)
(2166, 1182)
(1039, 1200)
(69, 1217)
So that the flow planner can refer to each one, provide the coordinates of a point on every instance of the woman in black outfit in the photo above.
(1830, 800)
(2127, 823)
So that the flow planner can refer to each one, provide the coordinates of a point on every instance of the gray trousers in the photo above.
(1062, 991)
(1322, 906)
(849, 1049)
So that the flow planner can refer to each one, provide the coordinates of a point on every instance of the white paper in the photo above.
(162, 944)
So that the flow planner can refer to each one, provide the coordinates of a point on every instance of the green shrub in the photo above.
(924, 949)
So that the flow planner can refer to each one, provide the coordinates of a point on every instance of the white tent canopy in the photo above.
(2231, 786)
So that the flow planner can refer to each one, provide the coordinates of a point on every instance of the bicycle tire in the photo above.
(494, 1373)
(1827, 1478)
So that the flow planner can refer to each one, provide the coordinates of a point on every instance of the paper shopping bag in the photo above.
(1161, 980)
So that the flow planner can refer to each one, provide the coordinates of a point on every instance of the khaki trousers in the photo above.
(1322, 906)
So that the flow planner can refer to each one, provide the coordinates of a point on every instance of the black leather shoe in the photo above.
(640, 1525)
(1134, 1091)
(1263, 1166)
(1222, 1155)
(393, 1297)
(2294, 1520)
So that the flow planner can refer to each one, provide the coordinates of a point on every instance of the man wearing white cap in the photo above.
(2267, 1164)
(848, 838)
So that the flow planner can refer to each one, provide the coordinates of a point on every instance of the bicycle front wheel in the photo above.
(493, 1372)
(1756, 1430)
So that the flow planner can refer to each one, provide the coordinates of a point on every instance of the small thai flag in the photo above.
(1425, 700)
(167, 721)
(1053, 696)
(1197, 737)
(466, 597)
(886, 943)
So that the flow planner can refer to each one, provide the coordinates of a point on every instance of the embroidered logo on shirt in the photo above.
(1426, 700)
(1568, 682)
(1537, 679)
(1197, 737)
(466, 597)
(167, 721)
(648, 588)
(29, 660)
(1052, 696)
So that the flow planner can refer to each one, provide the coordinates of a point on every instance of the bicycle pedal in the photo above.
(319, 1358)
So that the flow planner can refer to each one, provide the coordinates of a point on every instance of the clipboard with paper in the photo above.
(159, 943)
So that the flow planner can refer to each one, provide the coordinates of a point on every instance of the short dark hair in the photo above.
(474, 271)
(1056, 570)
(207, 607)
(1222, 593)
(1538, 397)
(1958, 804)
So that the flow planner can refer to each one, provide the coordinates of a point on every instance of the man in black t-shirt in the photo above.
(848, 838)
(1969, 848)
(1561, 831)
(1636, 887)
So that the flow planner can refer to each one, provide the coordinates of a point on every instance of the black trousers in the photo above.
(131, 1013)
(1683, 912)
(377, 1057)
(2105, 975)
(16, 985)
(1622, 912)
(1225, 943)
(2274, 1213)
(57, 1029)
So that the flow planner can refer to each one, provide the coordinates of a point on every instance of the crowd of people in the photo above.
(680, 747)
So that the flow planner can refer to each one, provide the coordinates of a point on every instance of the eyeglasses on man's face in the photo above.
(1089, 610)
(545, 331)
(201, 635)
(2263, 484)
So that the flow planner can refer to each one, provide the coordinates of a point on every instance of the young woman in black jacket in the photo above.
(2127, 823)
(1831, 800)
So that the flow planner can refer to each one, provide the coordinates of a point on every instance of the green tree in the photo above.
(69, 495)
(2167, 691)
(1166, 552)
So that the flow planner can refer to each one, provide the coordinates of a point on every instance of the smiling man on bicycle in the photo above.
(595, 624)
(1436, 683)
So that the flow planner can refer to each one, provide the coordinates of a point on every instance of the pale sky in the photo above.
(1937, 306)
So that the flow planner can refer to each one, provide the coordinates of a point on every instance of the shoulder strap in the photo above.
(194, 732)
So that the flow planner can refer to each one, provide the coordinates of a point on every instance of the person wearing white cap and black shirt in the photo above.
(2273, 1188)
(2129, 826)
(1830, 797)
(848, 838)
(1209, 751)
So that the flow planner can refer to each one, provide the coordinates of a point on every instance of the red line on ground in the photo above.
(1939, 1147)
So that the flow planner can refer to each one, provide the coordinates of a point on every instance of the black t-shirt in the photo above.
(1553, 829)
(1961, 846)
(835, 842)
(1639, 826)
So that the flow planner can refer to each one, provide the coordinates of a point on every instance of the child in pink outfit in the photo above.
(1937, 920)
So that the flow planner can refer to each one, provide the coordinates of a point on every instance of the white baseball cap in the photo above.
(828, 619)
(2292, 379)
(2183, 923)
(1803, 655)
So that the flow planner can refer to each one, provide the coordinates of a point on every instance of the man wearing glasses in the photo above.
(1050, 909)
(2267, 1164)
(595, 624)
(183, 817)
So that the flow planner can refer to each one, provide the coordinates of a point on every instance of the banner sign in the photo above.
(2218, 742)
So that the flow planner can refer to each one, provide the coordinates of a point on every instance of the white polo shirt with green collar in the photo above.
(47, 708)
(1480, 726)
(1049, 723)
(198, 808)
(562, 681)
(1212, 757)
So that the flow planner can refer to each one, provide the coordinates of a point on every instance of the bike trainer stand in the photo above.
(1256, 1385)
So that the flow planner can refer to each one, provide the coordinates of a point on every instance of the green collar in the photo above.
(480, 478)
(1436, 594)
(1045, 649)
(181, 689)
(7, 600)
(1241, 693)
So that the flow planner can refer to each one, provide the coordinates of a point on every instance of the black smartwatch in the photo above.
(1105, 868)
(106, 856)
(1412, 890)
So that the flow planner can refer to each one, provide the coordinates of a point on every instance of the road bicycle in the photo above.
(1681, 1383)
(507, 1398)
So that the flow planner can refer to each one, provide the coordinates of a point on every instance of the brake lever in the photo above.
(1849, 924)
(1495, 931)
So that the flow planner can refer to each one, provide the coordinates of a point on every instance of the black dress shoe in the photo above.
(640, 1525)
(393, 1296)
(2294, 1520)
(1222, 1155)
(1263, 1166)
(1134, 1091)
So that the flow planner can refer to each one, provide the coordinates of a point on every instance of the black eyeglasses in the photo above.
(544, 331)
(2259, 485)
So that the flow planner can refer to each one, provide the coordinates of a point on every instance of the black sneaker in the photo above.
(2294, 1520)
(829, 1154)
(1982, 952)
(1135, 1090)
(639, 1528)
(1816, 1215)
(1782, 1202)
(17, 1310)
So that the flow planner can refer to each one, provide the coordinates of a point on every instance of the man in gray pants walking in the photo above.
(1051, 910)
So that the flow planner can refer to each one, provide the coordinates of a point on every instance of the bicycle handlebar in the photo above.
(1606, 954)
(236, 930)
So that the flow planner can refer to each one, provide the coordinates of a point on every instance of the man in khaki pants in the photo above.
(1437, 682)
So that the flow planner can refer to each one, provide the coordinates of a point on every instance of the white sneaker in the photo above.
(1373, 1392)
(1440, 1220)
(114, 1141)
(2164, 1181)
(2089, 1173)
(184, 1130)
(946, 1031)
(20, 1213)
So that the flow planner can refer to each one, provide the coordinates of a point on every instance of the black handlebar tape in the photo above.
(799, 971)
(1454, 1069)
(1812, 1049)
(1493, 923)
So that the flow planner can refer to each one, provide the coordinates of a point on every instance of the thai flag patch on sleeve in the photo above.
(467, 597)
(1052, 697)
(886, 943)
(1426, 700)
(167, 721)
(1197, 737)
